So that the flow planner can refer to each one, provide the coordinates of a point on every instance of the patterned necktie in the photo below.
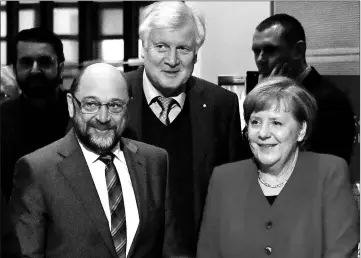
(166, 104)
(116, 204)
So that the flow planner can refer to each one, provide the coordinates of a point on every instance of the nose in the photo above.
(260, 57)
(264, 132)
(35, 67)
(172, 57)
(103, 115)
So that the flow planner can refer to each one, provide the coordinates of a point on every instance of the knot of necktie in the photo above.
(166, 104)
(107, 158)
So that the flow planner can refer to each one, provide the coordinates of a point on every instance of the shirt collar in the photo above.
(92, 157)
(304, 74)
(151, 92)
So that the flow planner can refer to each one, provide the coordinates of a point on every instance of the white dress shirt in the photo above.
(151, 92)
(97, 171)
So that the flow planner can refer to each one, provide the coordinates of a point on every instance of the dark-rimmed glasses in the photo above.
(92, 106)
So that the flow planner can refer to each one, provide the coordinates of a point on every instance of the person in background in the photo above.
(92, 193)
(196, 121)
(279, 46)
(38, 116)
(284, 202)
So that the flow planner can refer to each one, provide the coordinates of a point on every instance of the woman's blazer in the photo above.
(314, 215)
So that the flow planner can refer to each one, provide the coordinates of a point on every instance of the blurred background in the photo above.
(108, 31)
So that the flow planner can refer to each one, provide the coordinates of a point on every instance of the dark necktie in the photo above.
(116, 204)
(166, 104)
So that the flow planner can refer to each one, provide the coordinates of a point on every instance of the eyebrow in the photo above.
(97, 99)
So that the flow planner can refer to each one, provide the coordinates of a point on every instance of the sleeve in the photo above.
(238, 148)
(27, 212)
(209, 237)
(341, 234)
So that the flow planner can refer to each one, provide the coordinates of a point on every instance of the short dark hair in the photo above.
(293, 30)
(283, 91)
(41, 35)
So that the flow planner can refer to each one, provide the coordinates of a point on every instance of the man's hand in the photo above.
(281, 69)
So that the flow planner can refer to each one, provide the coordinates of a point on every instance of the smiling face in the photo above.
(99, 131)
(273, 136)
(169, 57)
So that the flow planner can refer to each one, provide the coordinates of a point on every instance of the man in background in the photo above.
(38, 116)
(196, 121)
(92, 193)
(279, 46)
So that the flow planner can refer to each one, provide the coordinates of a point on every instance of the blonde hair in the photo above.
(285, 93)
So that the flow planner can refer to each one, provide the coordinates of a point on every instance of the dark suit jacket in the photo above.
(57, 212)
(335, 127)
(24, 129)
(216, 130)
(314, 216)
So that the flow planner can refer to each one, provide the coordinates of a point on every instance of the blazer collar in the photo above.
(135, 80)
(75, 170)
(201, 117)
(136, 167)
(313, 78)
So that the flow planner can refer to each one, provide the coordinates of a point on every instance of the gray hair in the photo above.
(165, 14)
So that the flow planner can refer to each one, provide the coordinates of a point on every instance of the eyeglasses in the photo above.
(91, 106)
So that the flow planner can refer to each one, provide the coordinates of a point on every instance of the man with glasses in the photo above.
(38, 116)
(92, 193)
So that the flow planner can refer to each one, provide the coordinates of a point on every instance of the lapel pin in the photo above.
(204, 105)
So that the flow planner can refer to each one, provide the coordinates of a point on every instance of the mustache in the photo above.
(36, 77)
(101, 126)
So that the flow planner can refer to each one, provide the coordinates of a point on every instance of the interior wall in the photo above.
(230, 27)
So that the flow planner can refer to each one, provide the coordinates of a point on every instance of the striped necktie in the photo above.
(166, 104)
(116, 204)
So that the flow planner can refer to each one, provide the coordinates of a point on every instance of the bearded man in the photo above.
(92, 193)
(38, 116)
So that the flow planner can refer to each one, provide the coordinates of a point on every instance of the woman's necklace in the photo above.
(290, 170)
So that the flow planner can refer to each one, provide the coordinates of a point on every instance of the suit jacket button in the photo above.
(269, 224)
(268, 250)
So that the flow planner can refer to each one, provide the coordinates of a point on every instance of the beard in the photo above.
(98, 137)
(39, 86)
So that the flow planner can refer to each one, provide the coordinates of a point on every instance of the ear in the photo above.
(195, 58)
(69, 99)
(302, 132)
(61, 68)
(300, 49)
(142, 51)
(60, 72)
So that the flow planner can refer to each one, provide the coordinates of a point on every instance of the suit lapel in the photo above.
(135, 164)
(135, 81)
(201, 121)
(311, 79)
(200, 113)
(76, 172)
